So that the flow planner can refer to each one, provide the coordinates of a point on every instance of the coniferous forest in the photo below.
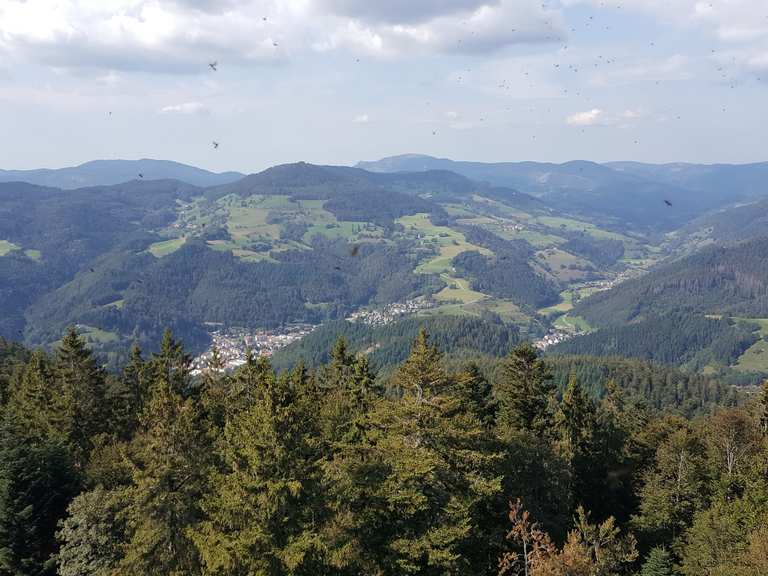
(434, 469)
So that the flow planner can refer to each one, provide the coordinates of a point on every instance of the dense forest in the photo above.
(678, 337)
(437, 468)
(730, 280)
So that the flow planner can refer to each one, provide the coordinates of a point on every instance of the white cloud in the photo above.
(598, 117)
(588, 118)
(361, 119)
(183, 35)
(729, 20)
(184, 109)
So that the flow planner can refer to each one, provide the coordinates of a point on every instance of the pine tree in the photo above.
(169, 461)
(525, 392)
(37, 481)
(171, 365)
(407, 495)
(34, 399)
(127, 394)
(475, 394)
(658, 563)
(261, 515)
(422, 374)
(82, 384)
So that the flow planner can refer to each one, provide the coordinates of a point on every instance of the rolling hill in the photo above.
(109, 172)
(631, 194)
(296, 243)
(705, 311)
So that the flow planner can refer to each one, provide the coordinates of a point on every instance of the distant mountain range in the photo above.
(647, 258)
(109, 172)
(630, 192)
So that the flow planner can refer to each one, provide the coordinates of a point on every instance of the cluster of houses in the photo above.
(390, 312)
(233, 344)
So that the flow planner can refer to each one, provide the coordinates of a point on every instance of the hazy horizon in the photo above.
(334, 82)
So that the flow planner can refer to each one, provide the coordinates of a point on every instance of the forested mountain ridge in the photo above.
(434, 469)
(295, 243)
(718, 280)
(630, 192)
(704, 311)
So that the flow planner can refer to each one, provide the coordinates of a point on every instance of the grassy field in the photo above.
(559, 263)
(572, 324)
(755, 359)
(96, 335)
(449, 244)
(579, 226)
(160, 249)
(565, 305)
(6, 247)
(458, 289)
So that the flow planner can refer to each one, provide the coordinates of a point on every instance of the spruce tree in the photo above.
(407, 495)
(658, 563)
(169, 465)
(82, 385)
(261, 515)
(525, 392)
(475, 393)
(35, 400)
(37, 481)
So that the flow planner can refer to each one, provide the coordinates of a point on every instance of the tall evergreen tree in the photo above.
(37, 481)
(525, 391)
(35, 399)
(171, 365)
(476, 394)
(127, 394)
(82, 384)
(169, 463)
(414, 487)
(261, 516)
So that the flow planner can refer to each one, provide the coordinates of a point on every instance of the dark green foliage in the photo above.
(525, 391)
(37, 481)
(260, 512)
(719, 280)
(319, 471)
(91, 536)
(12, 355)
(658, 563)
(656, 386)
(390, 344)
(599, 251)
(675, 338)
(506, 275)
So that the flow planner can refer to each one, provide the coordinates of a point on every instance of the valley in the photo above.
(309, 245)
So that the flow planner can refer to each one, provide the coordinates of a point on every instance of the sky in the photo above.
(337, 81)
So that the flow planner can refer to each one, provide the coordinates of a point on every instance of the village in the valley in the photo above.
(233, 343)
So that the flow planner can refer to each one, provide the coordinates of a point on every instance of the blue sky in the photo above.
(336, 81)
